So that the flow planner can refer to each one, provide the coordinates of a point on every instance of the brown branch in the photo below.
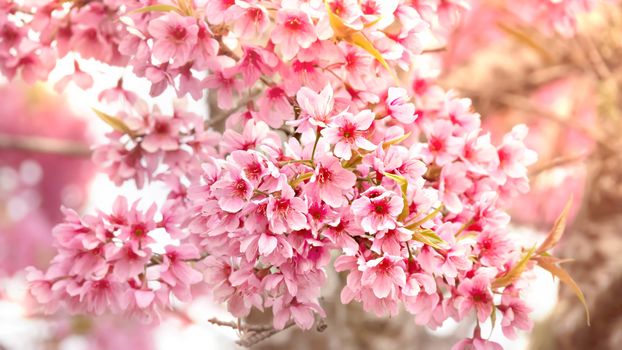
(557, 162)
(253, 334)
(44, 145)
(251, 338)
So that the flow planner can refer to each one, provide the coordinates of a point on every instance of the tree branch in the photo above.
(44, 145)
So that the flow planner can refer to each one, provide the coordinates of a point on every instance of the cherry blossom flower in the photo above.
(253, 20)
(317, 107)
(399, 107)
(174, 37)
(293, 31)
(476, 343)
(330, 181)
(286, 212)
(475, 295)
(378, 209)
(164, 133)
(384, 275)
(233, 190)
(452, 184)
(347, 131)
(515, 314)
(81, 79)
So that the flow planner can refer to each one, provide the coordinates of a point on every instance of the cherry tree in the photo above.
(329, 145)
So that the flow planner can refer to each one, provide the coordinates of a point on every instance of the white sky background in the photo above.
(16, 331)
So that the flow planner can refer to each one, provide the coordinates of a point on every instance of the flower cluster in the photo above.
(408, 199)
(147, 144)
(108, 262)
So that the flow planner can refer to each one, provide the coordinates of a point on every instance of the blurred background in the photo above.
(566, 89)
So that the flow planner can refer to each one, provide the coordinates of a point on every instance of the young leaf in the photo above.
(355, 37)
(515, 272)
(359, 39)
(403, 183)
(396, 141)
(558, 229)
(551, 264)
(493, 318)
(114, 122)
(428, 237)
(418, 223)
(300, 178)
(155, 8)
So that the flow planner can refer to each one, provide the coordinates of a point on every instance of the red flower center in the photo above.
(479, 296)
(324, 175)
(348, 131)
(293, 23)
(178, 32)
(240, 187)
(381, 207)
(255, 14)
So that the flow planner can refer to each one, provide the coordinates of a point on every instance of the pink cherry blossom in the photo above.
(384, 275)
(378, 209)
(452, 184)
(331, 180)
(174, 37)
(233, 190)
(253, 20)
(515, 314)
(475, 295)
(286, 212)
(317, 108)
(293, 32)
(308, 152)
(399, 107)
(163, 135)
(476, 343)
(81, 79)
(347, 131)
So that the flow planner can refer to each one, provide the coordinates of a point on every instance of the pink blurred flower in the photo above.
(174, 37)
(293, 31)
(399, 107)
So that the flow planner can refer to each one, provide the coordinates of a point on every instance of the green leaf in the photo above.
(403, 183)
(301, 178)
(493, 318)
(425, 219)
(356, 37)
(114, 122)
(396, 141)
(558, 229)
(515, 272)
(428, 237)
(155, 8)
(551, 264)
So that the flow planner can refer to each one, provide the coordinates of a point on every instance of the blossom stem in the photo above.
(317, 139)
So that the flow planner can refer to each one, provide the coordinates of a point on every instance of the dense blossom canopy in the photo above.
(338, 144)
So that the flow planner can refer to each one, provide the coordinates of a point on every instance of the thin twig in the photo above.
(556, 163)
(251, 338)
